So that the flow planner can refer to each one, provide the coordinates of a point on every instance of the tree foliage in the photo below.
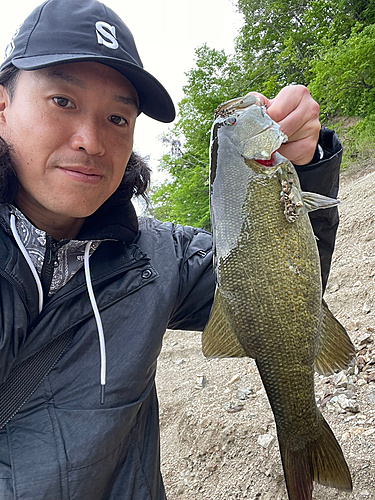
(325, 44)
(184, 198)
(344, 79)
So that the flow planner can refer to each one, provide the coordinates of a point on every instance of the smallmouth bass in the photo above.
(268, 301)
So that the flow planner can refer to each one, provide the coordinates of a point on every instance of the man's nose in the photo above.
(89, 136)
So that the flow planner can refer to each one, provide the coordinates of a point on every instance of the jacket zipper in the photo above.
(48, 264)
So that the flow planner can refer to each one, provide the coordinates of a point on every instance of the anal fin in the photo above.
(315, 201)
(335, 351)
(219, 339)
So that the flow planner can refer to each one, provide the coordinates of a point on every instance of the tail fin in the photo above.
(320, 460)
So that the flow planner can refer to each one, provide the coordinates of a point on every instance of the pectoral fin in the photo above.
(335, 350)
(314, 201)
(219, 340)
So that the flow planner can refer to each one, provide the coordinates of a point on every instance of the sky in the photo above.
(166, 33)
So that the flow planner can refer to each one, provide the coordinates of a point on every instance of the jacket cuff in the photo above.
(322, 176)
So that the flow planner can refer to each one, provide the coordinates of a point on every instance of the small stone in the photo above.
(347, 404)
(233, 407)
(266, 440)
(372, 397)
(244, 393)
(345, 436)
(367, 306)
(364, 338)
(349, 394)
(201, 382)
(234, 379)
(340, 379)
(206, 422)
(179, 361)
(369, 432)
(356, 431)
(352, 325)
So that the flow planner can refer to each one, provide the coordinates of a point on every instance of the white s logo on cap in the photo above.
(106, 34)
(10, 47)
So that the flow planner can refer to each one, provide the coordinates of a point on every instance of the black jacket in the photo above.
(63, 444)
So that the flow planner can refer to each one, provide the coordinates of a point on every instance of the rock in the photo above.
(349, 394)
(234, 379)
(346, 404)
(372, 397)
(356, 431)
(352, 325)
(234, 407)
(244, 392)
(206, 422)
(340, 379)
(201, 382)
(266, 441)
(345, 436)
(367, 306)
(360, 362)
(364, 338)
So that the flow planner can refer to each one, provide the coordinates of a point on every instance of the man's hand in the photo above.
(298, 116)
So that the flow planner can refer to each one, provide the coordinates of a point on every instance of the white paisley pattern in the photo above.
(69, 258)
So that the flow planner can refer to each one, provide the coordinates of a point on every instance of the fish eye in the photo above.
(231, 120)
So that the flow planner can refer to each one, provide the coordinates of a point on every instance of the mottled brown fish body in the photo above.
(271, 284)
(268, 301)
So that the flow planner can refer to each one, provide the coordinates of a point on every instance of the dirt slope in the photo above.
(217, 429)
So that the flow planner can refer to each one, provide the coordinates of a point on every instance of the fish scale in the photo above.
(268, 300)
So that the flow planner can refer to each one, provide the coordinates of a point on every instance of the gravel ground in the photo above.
(218, 435)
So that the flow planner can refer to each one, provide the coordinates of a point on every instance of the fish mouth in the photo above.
(267, 163)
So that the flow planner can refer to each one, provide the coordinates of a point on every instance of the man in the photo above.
(73, 258)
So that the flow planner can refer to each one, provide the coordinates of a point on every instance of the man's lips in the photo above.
(82, 174)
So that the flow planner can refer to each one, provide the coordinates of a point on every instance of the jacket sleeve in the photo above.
(322, 176)
(197, 280)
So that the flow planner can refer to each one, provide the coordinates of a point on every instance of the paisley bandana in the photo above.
(69, 258)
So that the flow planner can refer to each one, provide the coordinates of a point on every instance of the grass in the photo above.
(357, 136)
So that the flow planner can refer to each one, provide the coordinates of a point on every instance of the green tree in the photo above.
(362, 11)
(325, 44)
(281, 37)
(344, 79)
(185, 196)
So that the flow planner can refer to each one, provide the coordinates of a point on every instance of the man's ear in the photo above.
(4, 103)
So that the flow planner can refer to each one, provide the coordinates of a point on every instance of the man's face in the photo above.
(70, 129)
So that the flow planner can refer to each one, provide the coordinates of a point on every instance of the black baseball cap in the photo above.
(63, 31)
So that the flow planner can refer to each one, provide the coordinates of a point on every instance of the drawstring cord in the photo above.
(103, 357)
(28, 260)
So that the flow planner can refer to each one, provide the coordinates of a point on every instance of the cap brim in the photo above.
(155, 101)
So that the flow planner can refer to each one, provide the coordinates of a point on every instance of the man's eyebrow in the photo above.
(67, 78)
(54, 73)
(126, 101)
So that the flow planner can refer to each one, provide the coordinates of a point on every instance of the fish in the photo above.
(268, 301)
